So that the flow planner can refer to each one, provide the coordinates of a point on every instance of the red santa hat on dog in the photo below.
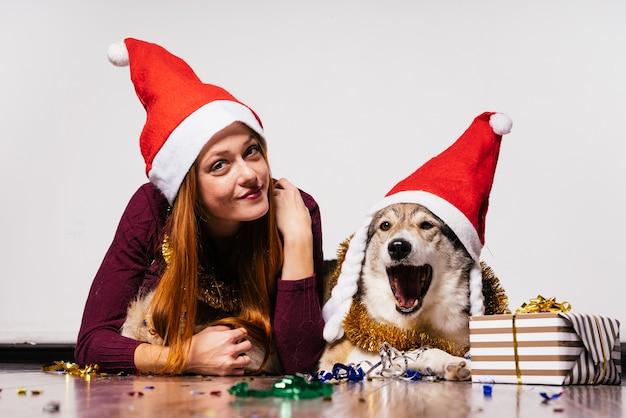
(455, 186)
(182, 112)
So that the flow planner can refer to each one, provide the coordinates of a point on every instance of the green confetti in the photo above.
(290, 387)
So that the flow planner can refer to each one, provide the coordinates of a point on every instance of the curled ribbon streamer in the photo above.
(348, 372)
(541, 304)
(393, 364)
(340, 371)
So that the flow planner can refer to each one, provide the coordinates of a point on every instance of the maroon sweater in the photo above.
(133, 265)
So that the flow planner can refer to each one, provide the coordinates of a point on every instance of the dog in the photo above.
(414, 278)
(411, 275)
(139, 326)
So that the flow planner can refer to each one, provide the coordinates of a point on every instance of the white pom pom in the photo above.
(118, 54)
(333, 329)
(501, 123)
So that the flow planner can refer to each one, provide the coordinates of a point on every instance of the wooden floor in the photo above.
(26, 391)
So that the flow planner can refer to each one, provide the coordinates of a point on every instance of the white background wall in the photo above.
(354, 95)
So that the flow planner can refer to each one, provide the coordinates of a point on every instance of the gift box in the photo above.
(552, 348)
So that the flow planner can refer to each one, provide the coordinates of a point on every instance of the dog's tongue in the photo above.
(409, 284)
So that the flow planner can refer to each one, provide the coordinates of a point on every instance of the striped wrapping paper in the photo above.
(551, 348)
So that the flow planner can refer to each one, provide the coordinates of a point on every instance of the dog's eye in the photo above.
(385, 226)
(426, 225)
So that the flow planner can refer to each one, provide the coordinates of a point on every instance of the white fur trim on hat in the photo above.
(444, 210)
(180, 150)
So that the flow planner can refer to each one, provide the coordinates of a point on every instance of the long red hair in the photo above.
(255, 266)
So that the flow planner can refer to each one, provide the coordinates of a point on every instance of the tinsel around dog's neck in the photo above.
(368, 334)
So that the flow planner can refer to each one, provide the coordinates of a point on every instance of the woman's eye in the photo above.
(426, 225)
(385, 226)
(218, 166)
(252, 150)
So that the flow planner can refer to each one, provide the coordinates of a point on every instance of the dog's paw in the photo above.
(458, 371)
(436, 362)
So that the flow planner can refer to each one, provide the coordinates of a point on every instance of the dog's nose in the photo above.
(399, 249)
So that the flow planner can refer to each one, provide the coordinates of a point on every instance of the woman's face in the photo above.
(233, 179)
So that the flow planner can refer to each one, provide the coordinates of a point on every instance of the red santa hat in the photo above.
(183, 113)
(455, 186)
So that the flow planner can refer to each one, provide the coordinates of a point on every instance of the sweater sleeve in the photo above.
(298, 323)
(128, 268)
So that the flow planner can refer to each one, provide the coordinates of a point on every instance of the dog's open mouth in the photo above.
(409, 285)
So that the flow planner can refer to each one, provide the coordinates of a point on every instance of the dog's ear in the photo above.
(376, 221)
(371, 230)
(448, 233)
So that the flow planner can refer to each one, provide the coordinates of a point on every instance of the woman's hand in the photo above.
(219, 350)
(294, 223)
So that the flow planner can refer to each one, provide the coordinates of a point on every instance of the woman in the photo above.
(212, 238)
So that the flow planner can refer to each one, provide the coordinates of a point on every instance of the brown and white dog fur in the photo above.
(415, 277)
(139, 326)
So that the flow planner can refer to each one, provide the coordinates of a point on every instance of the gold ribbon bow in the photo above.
(541, 304)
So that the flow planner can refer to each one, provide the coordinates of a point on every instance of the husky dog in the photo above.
(414, 278)
(411, 275)
(139, 326)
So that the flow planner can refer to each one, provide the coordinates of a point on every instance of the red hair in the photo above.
(255, 267)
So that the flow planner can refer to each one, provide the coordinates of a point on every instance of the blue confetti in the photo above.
(550, 397)
(413, 374)
(341, 372)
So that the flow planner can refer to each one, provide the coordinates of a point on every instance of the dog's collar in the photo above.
(367, 334)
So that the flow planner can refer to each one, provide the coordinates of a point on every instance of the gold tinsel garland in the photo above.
(86, 372)
(495, 299)
(367, 334)
(215, 293)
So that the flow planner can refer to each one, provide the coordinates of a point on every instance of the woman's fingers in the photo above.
(283, 183)
(219, 350)
(242, 361)
(241, 347)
